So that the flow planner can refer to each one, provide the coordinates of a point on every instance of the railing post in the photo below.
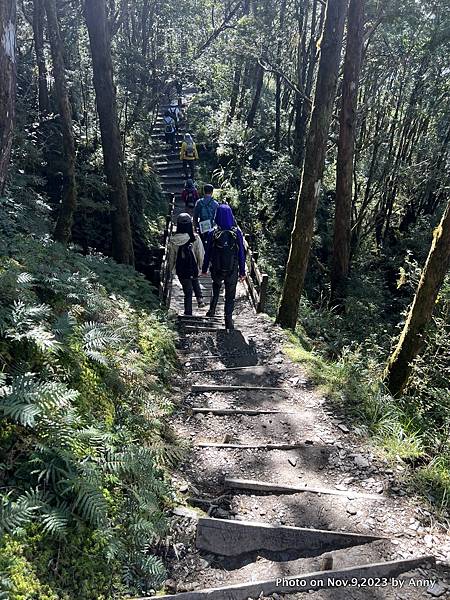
(164, 286)
(262, 294)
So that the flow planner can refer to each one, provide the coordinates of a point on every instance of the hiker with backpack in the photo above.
(185, 256)
(225, 257)
(188, 154)
(169, 129)
(205, 212)
(176, 114)
(189, 195)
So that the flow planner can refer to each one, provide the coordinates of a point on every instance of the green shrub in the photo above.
(84, 441)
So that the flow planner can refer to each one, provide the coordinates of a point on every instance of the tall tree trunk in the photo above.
(256, 98)
(303, 107)
(412, 337)
(346, 148)
(99, 36)
(316, 142)
(8, 72)
(38, 33)
(235, 89)
(68, 205)
(278, 78)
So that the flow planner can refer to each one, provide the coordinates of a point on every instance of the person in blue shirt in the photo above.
(225, 257)
(204, 212)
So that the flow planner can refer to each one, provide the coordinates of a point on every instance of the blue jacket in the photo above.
(205, 209)
(225, 220)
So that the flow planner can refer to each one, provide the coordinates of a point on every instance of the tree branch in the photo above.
(271, 69)
(222, 27)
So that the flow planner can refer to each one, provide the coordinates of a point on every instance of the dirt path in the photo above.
(369, 500)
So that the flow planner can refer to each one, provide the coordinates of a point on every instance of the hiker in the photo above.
(189, 195)
(176, 114)
(225, 257)
(188, 155)
(185, 256)
(169, 129)
(205, 211)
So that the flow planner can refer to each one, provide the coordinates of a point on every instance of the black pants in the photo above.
(189, 167)
(170, 138)
(190, 285)
(230, 280)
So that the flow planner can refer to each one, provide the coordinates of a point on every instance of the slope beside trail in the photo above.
(302, 442)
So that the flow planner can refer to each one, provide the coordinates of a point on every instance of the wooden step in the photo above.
(232, 538)
(242, 411)
(235, 388)
(251, 446)
(198, 318)
(212, 356)
(253, 486)
(193, 328)
(232, 369)
(352, 577)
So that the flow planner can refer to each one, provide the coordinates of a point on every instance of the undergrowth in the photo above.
(413, 429)
(85, 357)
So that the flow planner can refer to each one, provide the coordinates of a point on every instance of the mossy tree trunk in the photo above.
(346, 148)
(411, 340)
(316, 142)
(8, 73)
(63, 228)
(105, 93)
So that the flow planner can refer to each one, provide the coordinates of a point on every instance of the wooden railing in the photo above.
(256, 281)
(165, 276)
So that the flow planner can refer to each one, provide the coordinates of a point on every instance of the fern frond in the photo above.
(27, 398)
(89, 502)
(18, 513)
(55, 520)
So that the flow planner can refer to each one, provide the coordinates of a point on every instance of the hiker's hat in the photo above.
(184, 218)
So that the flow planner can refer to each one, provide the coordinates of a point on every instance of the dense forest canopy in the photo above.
(326, 126)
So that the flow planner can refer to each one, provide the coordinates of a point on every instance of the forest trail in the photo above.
(254, 421)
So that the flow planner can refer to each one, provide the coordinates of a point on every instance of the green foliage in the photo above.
(416, 427)
(83, 439)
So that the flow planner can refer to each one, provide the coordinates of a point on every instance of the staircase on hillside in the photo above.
(236, 383)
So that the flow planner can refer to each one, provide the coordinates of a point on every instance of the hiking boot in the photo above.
(229, 325)
(212, 307)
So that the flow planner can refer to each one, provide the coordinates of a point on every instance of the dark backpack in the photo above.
(190, 198)
(169, 125)
(190, 151)
(224, 250)
(186, 265)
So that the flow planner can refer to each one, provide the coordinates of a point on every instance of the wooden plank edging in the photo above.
(234, 388)
(251, 446)
(260, 486)
(242, 411)
(305, 581)
(227, 537)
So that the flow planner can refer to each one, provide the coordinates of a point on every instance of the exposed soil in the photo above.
(331, 455)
